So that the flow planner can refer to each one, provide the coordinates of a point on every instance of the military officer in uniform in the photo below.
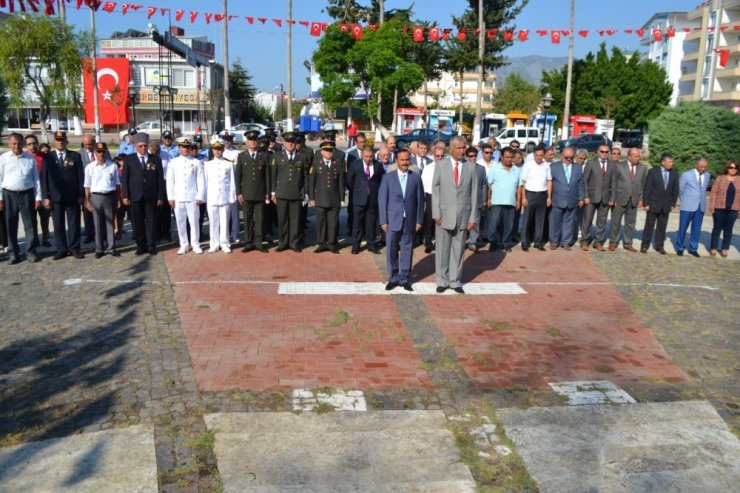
(220, 195)
(272, 143)
(306, 155)
(251, 174)
(186, 192)
(287, 185)
(231, 153)
(325, 193)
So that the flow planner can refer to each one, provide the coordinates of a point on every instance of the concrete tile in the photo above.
(116, 460)
(584, 392)
(379, 451)
(672, 446)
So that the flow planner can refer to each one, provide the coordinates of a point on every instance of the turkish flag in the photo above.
(315, 29)
(583, 33)
(150, 11)
(178, 14)
(657, 35)
(193, 16)
(110, 6)
(344, 27)
(113, 103)
(508, 34)
(523, 34)
(724, 56)
(670, 32)
(462, 34)
(357, 31)
(208, 16)
(418, 34)
(434, 34)
(555, 37)
(491, 33)
(640, 32)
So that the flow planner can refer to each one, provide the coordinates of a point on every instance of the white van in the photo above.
(528, 137)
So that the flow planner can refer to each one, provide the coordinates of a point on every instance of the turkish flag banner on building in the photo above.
(670, 32)
(724, 57)
(112, 81)
(434, 34)
(657, 35)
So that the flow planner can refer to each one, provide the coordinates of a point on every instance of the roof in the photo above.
(130, 33)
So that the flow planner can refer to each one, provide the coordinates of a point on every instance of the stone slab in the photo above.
(378, 288)
(586, 392)
(116, 460)
(378, 451)
(670, 446)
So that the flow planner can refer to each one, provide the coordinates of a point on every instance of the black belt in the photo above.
(105, 194)
(18, 191)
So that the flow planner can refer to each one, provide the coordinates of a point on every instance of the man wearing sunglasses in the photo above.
(598, 175)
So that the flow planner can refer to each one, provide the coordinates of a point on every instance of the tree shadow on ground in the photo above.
(473, 266)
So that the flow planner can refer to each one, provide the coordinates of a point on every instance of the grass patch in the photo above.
(341, 317)
(478, 358)
(207, 439)
(324, 391)
(399, 337)
(244, 396)
(496, 326)
(425, 365)
(323, 408)
(553, 332)
(604, 369)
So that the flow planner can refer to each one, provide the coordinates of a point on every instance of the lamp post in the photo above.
(133, 93)
(546, 101)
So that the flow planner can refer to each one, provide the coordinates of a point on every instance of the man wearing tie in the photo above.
(401, 209)
(363, 182)
(287, 179)
(454, 208)
(692, 188)
(325, 193)
(145, 191)
(252, 184)
(627, 195)
(62, 186)
(659, 197)
(568, 193)
(598, 175)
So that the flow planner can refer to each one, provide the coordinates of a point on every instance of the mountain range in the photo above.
(529, 67)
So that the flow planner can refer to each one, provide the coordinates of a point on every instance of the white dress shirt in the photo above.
(185, 181)
(19, 173)
(536, 176)
(220, 184)
(101, 178)
(427, 176)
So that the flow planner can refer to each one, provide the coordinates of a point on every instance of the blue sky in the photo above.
(262, 48)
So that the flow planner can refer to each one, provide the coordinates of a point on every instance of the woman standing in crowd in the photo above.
(724, 203)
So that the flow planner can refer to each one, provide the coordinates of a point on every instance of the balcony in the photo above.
(726, 96)
(724, 73)
(694, 55)
(694, 35)
(686, 98)
(688, 77)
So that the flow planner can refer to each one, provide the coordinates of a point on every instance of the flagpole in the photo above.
(225, 41)
(569, 80)
(289, 127)
(96, 105)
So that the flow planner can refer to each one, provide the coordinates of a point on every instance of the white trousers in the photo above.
(218, 219)
(184, 212)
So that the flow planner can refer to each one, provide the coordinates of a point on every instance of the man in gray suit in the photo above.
(567, 196)
(454, 208)
(627, 186)
(692, 189)
(598, 175)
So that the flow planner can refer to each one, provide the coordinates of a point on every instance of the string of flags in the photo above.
(418, 33)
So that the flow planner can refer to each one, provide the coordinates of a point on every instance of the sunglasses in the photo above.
(567, 157)
(487, 152)
(603, 152)
(731, 167)
(99, 150)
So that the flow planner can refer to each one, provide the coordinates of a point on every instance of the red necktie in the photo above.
(456, 174)
(632, 172)
(603, 168)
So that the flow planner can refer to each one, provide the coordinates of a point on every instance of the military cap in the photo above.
(300, 136)
(327, 146)
(217, 144)
(59, 135)
(132, 131)
(166, 134)
(269, 131)
(141, 137)
(198, 138)
(252, 134)
(184, 142)
(329, 134)
(101, 146)
(290, 137)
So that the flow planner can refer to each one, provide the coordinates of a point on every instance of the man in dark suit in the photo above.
(62, 187)
(252, 184)
(598, 175)
(363, 182)
(401, 209)
(627, 186)
(420, 159)
(568, 193)
(659, 197)
(88, 156)
(144, 189)
(325, 193)
(354, 153)
(287, 181)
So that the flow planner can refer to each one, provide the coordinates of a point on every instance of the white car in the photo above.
(154, 129)
(528, 137)
(238, 131)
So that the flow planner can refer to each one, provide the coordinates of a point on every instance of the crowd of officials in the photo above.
(446, 198)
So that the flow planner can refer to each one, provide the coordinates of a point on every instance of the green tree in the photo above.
(692, 130)
(43, 56)
(517, 94)
(3, 103)
(241, 90)
(333, 63)
(617, 87)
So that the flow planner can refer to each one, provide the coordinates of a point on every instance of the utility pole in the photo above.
(62, 10)
(481, 46)
(566, 110)
(225, 42)
(378, 135)
(290, 67)
(96, 104)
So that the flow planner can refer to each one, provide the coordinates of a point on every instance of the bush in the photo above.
(692, 130)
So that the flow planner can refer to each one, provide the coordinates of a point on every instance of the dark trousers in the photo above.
(661, 218)
(534, 218)
(327, 219)
(3, 231)
(270, 216)
(41, 219)
(253, 212)
(289, 222)
(724, 220)
(516, 234)
(501, 226)
(23, 204)
(67, 238)
(365, 219)
(350, 213)
(562, 222)
(144, 215)
(89, 224)
(164, 227)
(428, 226)
(104, 206)
(399, 254)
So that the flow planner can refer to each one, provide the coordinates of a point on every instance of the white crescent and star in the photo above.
(107, 96)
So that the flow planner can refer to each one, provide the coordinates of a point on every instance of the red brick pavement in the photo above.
(245, 336)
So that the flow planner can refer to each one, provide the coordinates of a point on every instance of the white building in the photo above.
(445, 91)
(667, 52)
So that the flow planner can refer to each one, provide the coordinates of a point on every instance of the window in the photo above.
(183, 78)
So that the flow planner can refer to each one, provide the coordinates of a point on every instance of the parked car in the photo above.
(590, 142)
(528, 137)
(427, 134)
(629, 138)
(154, 129)
(238, 131)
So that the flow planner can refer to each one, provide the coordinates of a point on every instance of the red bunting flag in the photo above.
(303, 23)
(687, 29)
(446, 34)
(164, 10)
(611, 32)
(372, 27)
(434, 34)
(279, 22)
(565, 32)
(193, 16)
(178, 14)
(724, 56)
(657, 35)
(629, 31)
(723, 28)
(418, 34)
(219, 17)
(315, 29)
(670, 32)
(405, 29)
(357, 31)
(208, 17)
(640, 32)
(541, 32)
(290, 21)
(344, 27)
(523, 34)
(462, 34)
(555, 37)
(491, 34)
(250, 20)
(150, 11)
(110, 6)
(262, 19)
(583, 33)
(509, 35)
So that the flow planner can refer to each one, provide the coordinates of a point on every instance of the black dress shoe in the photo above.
(115, 253)
(428, 249)
(507, 250)
(297, 249)
(78, 255)
(374, 250)
(441, 289)
(407, 287)
(15, 260)
(152, 250)
(335, 249)
(59, 255)
(248, 248)
(695, 254)
(540, 247)
(661, 251)
(33, 258)
(99, 254)
(262, 248)
(355, 250)
(459, 290)
(679, 253)
(390, 286)
(281, 248)
(45, 243)
(525, 248)
(140, 251)
(321, 248)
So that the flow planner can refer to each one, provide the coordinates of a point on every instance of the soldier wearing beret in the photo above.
(252, 176)
(325, 192)
(287, 192)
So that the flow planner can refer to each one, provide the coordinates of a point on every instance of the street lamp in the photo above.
(546, 101)
(133, 93)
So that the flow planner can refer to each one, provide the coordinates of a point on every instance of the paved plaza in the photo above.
(298, 372)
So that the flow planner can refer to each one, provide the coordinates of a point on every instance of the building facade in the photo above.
(703, 78)
(445, 91)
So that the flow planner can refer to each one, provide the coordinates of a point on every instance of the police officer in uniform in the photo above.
(325, 192)
(127, 146)
(287, 182)
(252, 176)
(168, 147)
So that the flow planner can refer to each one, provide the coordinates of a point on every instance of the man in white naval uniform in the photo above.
(220, 196)
(186, 191)
(230, 154)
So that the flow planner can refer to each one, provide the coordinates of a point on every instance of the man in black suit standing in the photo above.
(144, 190)
(363, 182)
(62, 187)
(659, 197)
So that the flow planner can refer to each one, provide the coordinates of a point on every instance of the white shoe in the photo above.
(213, 250)
(182, 250)
(197, 249)
(226, 249)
